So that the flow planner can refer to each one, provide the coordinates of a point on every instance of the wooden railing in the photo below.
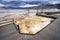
(6, 22)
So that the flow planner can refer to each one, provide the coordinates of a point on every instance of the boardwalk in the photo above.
(51, 32)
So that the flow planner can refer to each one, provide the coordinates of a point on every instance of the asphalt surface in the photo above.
(51, 32)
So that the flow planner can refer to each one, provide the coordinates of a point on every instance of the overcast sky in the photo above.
(48, 1)
(24, 0)
(30, 0)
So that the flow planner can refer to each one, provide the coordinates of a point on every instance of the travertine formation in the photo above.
(32, 25)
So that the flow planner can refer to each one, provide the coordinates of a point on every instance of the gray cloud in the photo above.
(30, 0)
(24, 0)
(49, 1)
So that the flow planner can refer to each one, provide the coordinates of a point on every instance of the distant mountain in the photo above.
(22, 3)
(26, 5)
(33, 7)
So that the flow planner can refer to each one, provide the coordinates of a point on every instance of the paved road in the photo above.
(51, 32)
